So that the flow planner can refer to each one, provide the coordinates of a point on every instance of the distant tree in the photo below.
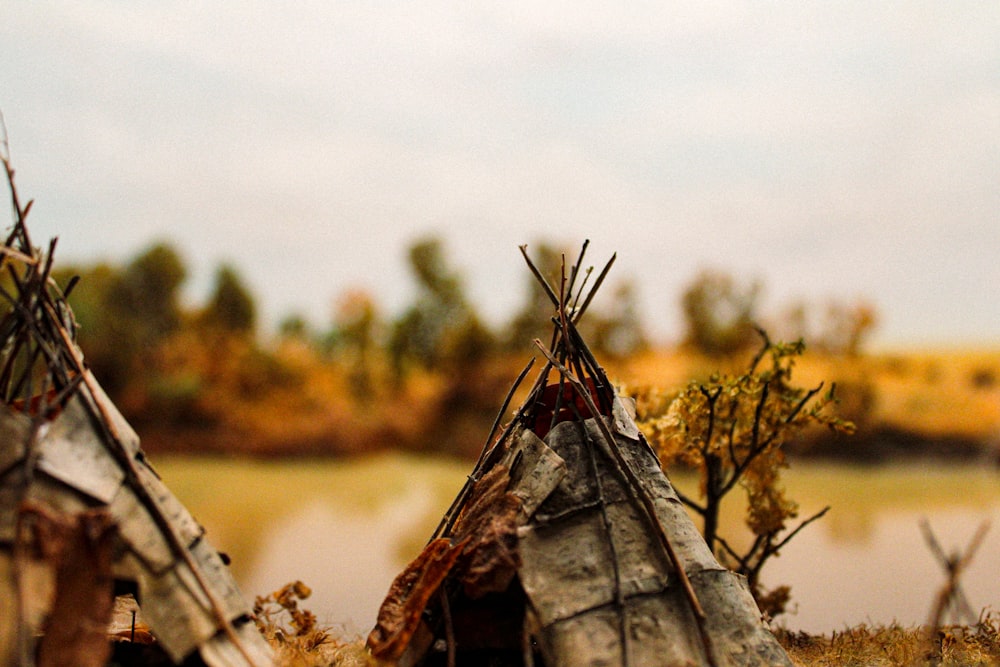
(107, 354)
(146, 295)
(469, 342)
(293, 327)
(434, 276)
(357, 321)
(836, 327)
(88, 298)
(125, 313)
(231, 307)
(719, 313)
(356, 334)
(847, 326)
(617, 330)
(437, 329)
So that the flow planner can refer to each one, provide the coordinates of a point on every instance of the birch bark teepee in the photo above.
(568, 545)
(76, 487)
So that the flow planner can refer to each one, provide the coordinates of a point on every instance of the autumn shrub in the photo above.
(296, 637)
(733, 430)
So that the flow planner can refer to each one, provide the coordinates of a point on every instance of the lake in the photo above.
(346, 528)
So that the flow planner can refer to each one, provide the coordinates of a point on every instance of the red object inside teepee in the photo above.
(562, 401)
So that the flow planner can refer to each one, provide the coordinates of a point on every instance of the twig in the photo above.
(538, 276)
(954, 565)
(449, 627)
(448, 520)
(593, 290)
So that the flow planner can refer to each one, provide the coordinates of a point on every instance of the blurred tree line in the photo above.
(430, 376)
(722, 316)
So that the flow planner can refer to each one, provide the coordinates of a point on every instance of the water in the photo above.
(347, 528)
(888, 575)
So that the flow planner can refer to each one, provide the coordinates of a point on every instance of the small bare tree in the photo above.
(732, 431)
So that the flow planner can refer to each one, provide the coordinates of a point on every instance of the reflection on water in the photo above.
(866, 561)
(348, 559)
(891, 575)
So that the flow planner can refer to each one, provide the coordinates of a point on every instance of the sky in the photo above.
(842, 151)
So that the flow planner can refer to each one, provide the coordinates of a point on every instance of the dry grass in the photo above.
(351, 654)
(297, 640)
(894, 645)
(861, 646)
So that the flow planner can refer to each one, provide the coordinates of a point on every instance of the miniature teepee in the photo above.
(81, 509)
(568, 545)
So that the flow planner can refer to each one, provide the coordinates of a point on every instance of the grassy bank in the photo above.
(867, 645)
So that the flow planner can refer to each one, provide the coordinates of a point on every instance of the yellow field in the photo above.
(935, 393)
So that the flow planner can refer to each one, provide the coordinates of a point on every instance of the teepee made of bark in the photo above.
(82, 511)
(568, 545)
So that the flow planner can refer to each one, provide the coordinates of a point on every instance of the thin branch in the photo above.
(576, 268)
(815, 517)
(755, 449)
(503, 410)
(801, 404)
(583, 286)
(950, 594)
(757, 415)
(732, 553)
(539, 277)
(765, 346)
(593, 290)
(711, 398)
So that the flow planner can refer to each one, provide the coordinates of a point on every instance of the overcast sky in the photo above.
(830, 150)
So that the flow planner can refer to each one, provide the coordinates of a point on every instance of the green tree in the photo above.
(146, 295)
(441, 328)
(293, 327)
(231, 307)
(123, 314)
(719, 314)
(617, 331)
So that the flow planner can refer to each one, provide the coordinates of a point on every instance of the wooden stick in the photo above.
(593, 290)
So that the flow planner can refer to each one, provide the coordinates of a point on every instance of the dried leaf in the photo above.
(399, 616)
(489, 527)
